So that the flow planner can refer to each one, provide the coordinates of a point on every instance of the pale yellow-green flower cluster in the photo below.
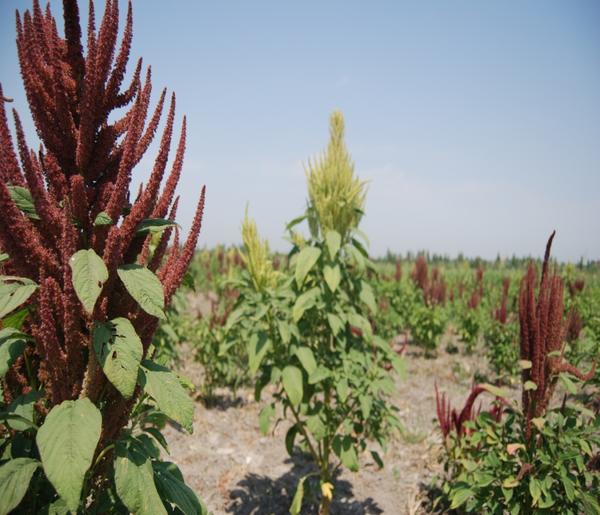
(336, 194)
(256, 256)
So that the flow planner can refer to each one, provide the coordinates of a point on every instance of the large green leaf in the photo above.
(145, 288)
(258, 346)
(102, 219)
(172, 489)
(304, 302)
(134, 480)
(307, 358)
(119, 351)
(332, 276)
(306, 259)
(345, 450)
(14, 482)
(292, 384)
(89, 276)
(166, 390)
(22, 198)
(366, 296)
(333, 240)
(12, 343)
(14, 291)
(67, 441)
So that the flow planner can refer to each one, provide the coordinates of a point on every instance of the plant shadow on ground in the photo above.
(221, 401)
(262, 495)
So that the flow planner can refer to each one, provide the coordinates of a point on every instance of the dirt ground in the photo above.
(237, 470)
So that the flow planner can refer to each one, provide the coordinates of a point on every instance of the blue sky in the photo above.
(476, 123)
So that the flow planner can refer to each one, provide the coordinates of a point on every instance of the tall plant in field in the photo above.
(87, 278)
(538, 458)
(311, 337)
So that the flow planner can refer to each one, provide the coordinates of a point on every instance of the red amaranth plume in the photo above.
(83, 169)
(450, 420)
(398, 274)
(500, 314)
(576, 287)
(542, 336)
(434, 287)
(420, 273)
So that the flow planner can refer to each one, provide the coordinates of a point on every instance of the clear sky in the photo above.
(476, 123)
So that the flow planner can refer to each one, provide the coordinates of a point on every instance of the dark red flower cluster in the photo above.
(500, 314)
(433, 286)
(82, 172)
(542, 337)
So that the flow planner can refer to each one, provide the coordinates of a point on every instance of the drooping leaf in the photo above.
(154, 225)
(335, 323)
(307, 358)
(332, 276)
(306, 259)
(459, 497)
(24, 201)
(258, 346)
(12, 344)
(145, 288)
(89, 275)
(166, 390)
(14, 291)
(14, 482)
(172, 489)
(290, 438)
(119, 351)
(319, 374)
(344, 448)
(296, 507)
(264, 418)
(134, 480)
(102, 219)
(292, 384)
(67, 441)
(333, 240)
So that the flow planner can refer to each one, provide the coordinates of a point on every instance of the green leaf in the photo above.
(166, 390)
(335, 322)
(316, 426)
(534, 490)
(154, 225)
(119, 351)
(333, 240)
(365, 405)
(377, 459)
(494, 390)
(89, 275)
(172, 489)
(304, 302)
(319, 374)
(459, 497)
(12, 344)
(332, 276)
(16, 319)
(307, 358)
(529, 385)
(344, 449)
(102, 219)
(3, 256)
(366, 296)
(296, 507)
(258, 346)
(145, 288)
(134, 480)
(295, 222)
(14, 482)
(67, 441)
(264, 418)
(14, 291)
(342, 389)
(23, 407)
(290, 437)
(567, 382)
(306, 259)
(525, 364)
(24, 201)
(292, 384)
